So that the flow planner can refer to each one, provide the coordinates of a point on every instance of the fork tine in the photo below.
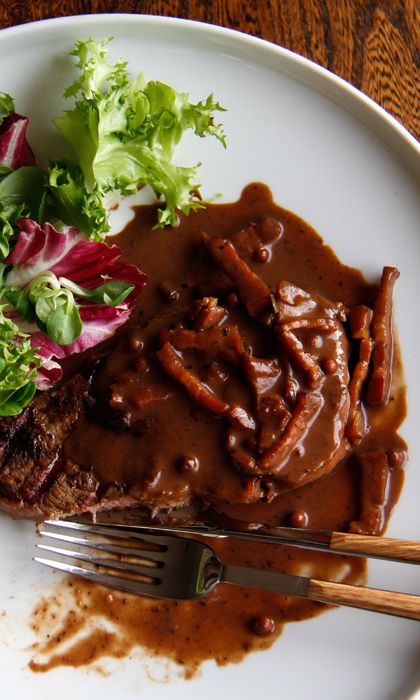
(116, 582)
(155, 558)
(123, 532)
(144, 571)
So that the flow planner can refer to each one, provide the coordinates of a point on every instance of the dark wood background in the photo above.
(374, 44)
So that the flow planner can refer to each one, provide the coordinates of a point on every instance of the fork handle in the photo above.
(390, 602)
(376, 600)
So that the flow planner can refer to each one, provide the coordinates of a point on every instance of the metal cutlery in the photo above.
(159, 563)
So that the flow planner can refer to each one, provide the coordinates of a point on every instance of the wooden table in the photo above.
(374, 44)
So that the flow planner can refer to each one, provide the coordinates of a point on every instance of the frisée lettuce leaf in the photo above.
(18, 367)
(124, 132)
(74, 204)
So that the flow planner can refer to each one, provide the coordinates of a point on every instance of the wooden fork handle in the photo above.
(401, 604)
(386, 547)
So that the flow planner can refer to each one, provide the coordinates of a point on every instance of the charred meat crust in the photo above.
(32, 462)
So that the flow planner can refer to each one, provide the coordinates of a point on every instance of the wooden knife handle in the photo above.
(400, 604)
(384, 547)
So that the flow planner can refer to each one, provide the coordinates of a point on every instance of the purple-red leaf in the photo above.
(67, 254)
(15, 151)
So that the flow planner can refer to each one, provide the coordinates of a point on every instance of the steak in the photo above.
(241, 378)
(30, 450)
(36, 480)
(78, 447)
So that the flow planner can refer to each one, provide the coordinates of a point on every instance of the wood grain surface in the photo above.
(403, 605)
(373, 44)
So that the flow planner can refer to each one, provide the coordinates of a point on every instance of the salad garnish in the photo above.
(18, 367)
(57, 274)
(63, 289)
(22, 183)
(123, 132)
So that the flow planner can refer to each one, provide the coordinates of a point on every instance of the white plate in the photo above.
(335, 158)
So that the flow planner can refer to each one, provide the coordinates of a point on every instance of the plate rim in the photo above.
(403, 138)
(366, 109)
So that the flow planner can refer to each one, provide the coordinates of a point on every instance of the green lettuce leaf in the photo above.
(27, 186)
(73, 204)
(50, 302)
(23, 193)
(111, 293)
(7, 105)
(18, 368)
(124, 133)
(9, 214)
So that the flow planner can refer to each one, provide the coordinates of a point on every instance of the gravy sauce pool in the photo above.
(80, 622)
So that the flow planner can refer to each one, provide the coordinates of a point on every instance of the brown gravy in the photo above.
(231, 621)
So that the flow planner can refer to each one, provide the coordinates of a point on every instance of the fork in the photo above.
(168, 566)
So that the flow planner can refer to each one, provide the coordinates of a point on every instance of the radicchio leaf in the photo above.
(15, 151)
(67, 254)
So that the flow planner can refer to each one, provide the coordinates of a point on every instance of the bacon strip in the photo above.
(291, 386)
(357, 426)
(254, 293)
(206, 313)
(220, 341)
(291, 301)
(374, 484)
(379, 386)
(243, 461)
(172, 364)
(294, 348)
(240, 417)
(307, 407)
(360, 318)
(246, 241)
(147, 396)
(262, 374)
(291, 295)
(302, 360)
(321, 325)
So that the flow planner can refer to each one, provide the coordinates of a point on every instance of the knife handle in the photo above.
(383, 547)
(390, 602)
(388, 548)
